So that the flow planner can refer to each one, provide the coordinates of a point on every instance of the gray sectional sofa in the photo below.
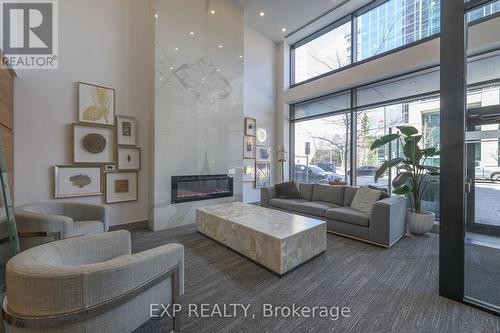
(384, 226)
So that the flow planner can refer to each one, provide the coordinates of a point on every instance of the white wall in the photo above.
(199, 101)
(261, 56)
(109, 43)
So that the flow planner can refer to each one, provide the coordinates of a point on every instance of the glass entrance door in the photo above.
(482, 243)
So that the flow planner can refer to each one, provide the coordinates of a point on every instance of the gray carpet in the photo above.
(482, 273)
(391, 290)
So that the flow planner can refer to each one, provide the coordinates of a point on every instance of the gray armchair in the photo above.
(90, 284)
(44, 222)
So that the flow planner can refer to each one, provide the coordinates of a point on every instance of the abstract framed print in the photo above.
(93, 144)
(262, 174)
(71, 181)
(126, 131)
(250, 126)
(96, 104)
(262, 136)
(248, 170)
(121, 187)
(128, 159)
(249, 147)
(263, 154)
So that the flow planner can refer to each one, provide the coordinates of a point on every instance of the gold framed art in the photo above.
(93, 144)
(128, 158)
(72, 181)
(248, 170)
(96, 104)
(250, 127)
(126, 131)
(121, 186)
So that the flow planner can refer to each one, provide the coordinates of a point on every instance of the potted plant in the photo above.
(413, 175)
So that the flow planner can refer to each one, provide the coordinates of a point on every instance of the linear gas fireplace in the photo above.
(195, 188)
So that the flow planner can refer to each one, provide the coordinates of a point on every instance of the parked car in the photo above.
(488, 172)
(328, 167)
(366, 170)
(315, 174)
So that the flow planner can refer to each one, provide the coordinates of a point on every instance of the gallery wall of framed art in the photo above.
(105, 158)
(257, 154)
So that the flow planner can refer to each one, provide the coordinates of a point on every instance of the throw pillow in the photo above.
(287, 191)
(384, 194)
(364, 199)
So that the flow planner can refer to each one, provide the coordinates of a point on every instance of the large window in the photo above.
(323, 150)
(380, 27)
(324, 129)
(323, 54)
(396, 23)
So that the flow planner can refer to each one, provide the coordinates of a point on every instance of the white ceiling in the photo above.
(279, 14)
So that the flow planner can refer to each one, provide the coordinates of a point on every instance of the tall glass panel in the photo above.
(482, 242)
(396, 23)
(376, 122)
(323, 54)
(323, 150)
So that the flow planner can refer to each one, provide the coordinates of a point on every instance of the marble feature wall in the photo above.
(198, 120)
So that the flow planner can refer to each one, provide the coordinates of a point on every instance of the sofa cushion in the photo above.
(286, 204)
(316, 208)
(350, 192)
(287, 190)
(364, 199)
(327, 193)
(306, 191)
(348, 215)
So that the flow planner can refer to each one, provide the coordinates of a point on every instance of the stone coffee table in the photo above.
(276, 240)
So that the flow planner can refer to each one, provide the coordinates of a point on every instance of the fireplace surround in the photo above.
(201, 187)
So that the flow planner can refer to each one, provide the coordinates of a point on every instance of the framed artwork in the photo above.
(96, 104)
(263, 154)
(126, 131)
(262, 136)
(248, 170)
(93, 144)
(121, 187)
(72, 181)
(249, 147)
(250, 127)
(128, 158)
(263, 174)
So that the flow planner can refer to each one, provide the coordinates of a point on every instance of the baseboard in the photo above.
(130, 226)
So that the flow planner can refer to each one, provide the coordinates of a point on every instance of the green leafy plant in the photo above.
(412, 171)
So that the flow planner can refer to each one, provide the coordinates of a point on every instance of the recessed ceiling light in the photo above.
(262, 14)
(241, 56)
(171, 68)
(212, 12)
(156, 15)
(220, 46)
(176, 48)
(283, 29)
(192, 33)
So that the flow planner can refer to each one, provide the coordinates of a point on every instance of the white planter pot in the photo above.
(419, 224)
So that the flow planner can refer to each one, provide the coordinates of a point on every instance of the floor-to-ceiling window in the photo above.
(322, 140)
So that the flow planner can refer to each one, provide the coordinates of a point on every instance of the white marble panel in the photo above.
(198, 119)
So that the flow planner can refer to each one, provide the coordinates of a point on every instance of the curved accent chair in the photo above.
(91, 284)
(40, 223)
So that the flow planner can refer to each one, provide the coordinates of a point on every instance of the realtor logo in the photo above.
(29, 34)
